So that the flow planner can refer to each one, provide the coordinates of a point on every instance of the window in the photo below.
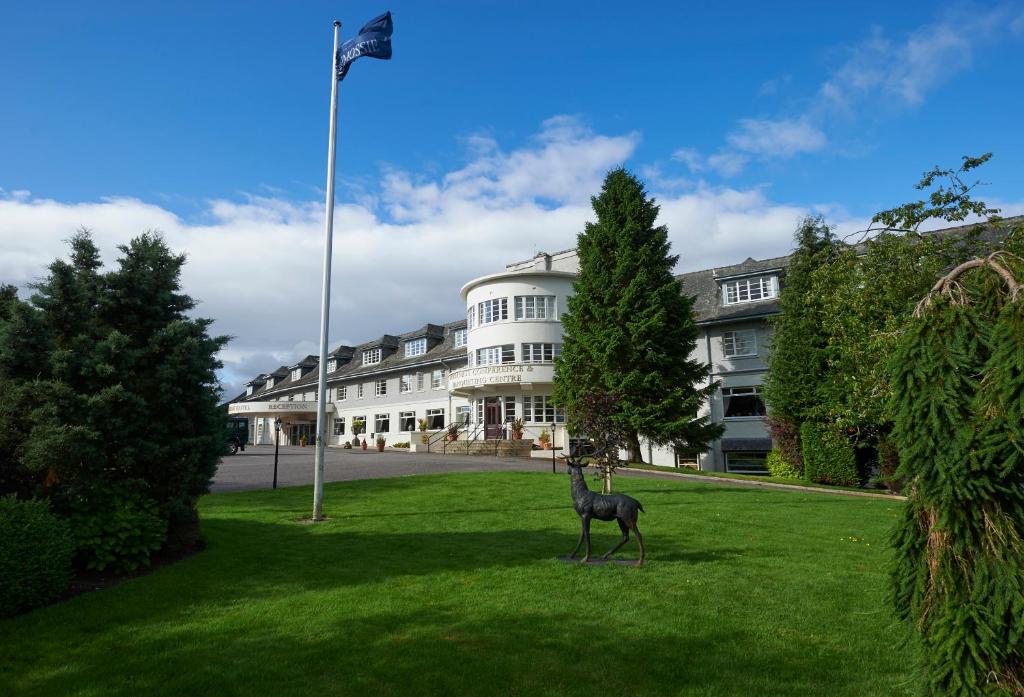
(419, 381)
(470, 318)
(416, 347)
(297, 373)
(435, 418)
(359, 390)
(748, 290)
(380, 387)
(407, 421)
(339, 426)
(742, 342)
(541, 353)
(742, 402)
(360, 419)
(462, 414)
(747, 463)
(383, 423)
(405, 384)
(493, 355)
(539, 409)
(437, 380)
(342, 393)
(249, 390)
(332, 365)
(460, 338)
(371, 356)
(535, 307)
(291, 398)
(492, 310)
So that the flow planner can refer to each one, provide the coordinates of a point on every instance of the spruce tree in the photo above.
(797, 362)
(958, 404)
(629, 330)
(108, 388)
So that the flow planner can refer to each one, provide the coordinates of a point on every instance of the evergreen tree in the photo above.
(958, 402)
(797, 362)
(108, 392)
(629, 330)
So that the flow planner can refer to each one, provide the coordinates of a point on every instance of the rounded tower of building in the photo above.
(514, 334)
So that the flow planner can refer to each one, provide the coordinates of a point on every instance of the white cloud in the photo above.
(877, 76)
(783, 138)
(255, 263)
(690, 157)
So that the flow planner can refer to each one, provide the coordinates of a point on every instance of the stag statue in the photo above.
(619, 507)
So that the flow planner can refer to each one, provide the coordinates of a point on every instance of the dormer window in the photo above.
(415, 347)
(371, 356)
(249, 390)
(297, 373)
(460, 338)
(332, 365)
(751, 289)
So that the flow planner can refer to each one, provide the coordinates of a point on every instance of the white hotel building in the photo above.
(497, 365)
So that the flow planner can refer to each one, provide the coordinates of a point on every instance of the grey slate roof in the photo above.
(443, 351)
(704, 287)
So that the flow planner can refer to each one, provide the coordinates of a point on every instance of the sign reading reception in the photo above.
(271, 407)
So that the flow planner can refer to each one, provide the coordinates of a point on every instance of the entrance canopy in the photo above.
(275, 409)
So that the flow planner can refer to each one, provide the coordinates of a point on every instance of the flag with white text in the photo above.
(373, 40)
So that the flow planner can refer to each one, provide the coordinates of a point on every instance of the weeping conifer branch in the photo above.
(949, 286)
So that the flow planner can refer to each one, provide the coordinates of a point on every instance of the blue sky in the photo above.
(481, 141)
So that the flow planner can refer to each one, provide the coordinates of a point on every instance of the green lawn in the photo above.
(448, 584)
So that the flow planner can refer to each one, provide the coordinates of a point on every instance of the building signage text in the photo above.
(489, 375)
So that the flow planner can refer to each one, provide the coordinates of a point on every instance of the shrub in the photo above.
(778, 467)
(786, 435)
(828, 455)
(117, 527)
(400, 445)
(36, 549)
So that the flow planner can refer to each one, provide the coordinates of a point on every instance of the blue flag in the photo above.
(373, 40)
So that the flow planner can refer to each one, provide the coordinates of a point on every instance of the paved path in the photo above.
(254, 469)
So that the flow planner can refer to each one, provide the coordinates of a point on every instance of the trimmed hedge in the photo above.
(828, 455)
(36, 549)
(778, 467)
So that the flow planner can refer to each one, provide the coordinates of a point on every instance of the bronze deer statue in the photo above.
(589, 505)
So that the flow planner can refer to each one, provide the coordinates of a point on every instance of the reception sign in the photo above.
(254, 408)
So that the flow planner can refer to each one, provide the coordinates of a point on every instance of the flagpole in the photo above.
(325, 302)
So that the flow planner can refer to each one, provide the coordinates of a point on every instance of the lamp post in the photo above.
(277, 441)
(553, 471)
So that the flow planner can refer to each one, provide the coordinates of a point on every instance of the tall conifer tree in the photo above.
(629, 330)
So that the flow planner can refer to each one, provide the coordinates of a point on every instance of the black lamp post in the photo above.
(277, 440)
(553, 471)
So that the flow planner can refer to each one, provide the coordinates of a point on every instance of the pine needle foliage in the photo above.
(958, 408)
(629, 330)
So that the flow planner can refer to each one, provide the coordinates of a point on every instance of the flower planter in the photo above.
(363, 445)
(380, 447)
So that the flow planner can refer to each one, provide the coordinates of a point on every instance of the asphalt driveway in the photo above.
(254, 468)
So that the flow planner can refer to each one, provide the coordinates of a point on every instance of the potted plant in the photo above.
(357, 428)
(303, 440)
(545, 439)
(422, 423)
(453, 432)
(363, 445)
(517, 429)
(380, 444)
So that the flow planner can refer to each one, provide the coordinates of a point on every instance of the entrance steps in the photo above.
(492, 446)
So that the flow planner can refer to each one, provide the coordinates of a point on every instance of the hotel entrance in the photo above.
(297, 431)
(493, 423)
